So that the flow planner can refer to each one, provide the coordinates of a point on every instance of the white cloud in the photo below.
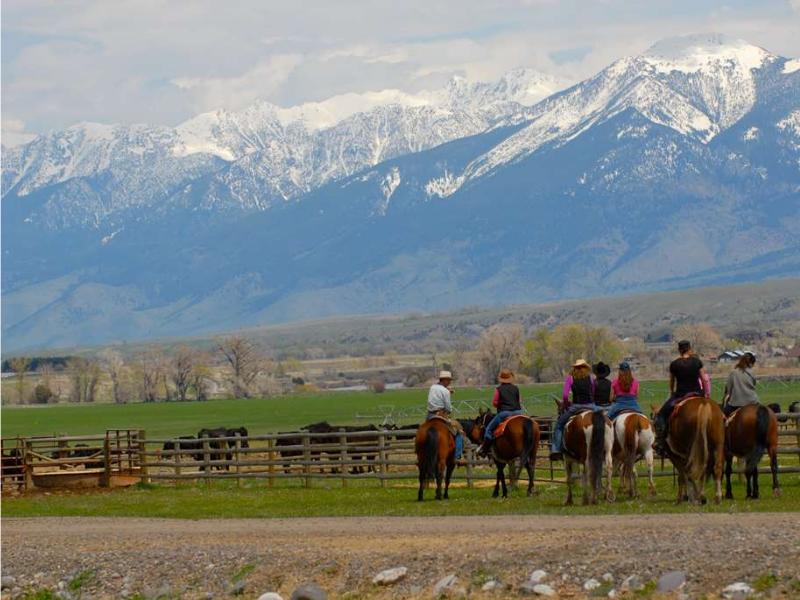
(13, 132)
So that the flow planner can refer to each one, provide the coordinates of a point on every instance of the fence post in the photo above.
(271, 467)
(307, 458)
(106, 482)
(382, 456)
(27, 464)
(237, 446)
(343, 456)
(176, 448)
(142, 439)
(206, 461)
(797, 429)
(470, 462)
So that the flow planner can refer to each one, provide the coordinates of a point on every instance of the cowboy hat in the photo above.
(445, 375)
(581, 363)
(601, 369)
(505, 376)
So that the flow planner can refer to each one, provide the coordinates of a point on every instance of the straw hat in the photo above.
(505, 376)
(445, 375)
(581, 363)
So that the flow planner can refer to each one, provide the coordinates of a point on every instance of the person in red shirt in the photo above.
(507, 401)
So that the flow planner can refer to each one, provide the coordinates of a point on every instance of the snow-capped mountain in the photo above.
(254, 157)
(674, 168)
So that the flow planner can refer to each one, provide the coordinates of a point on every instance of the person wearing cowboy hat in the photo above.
(602, 386)
(440, 406)
(580, 384)
(508, 403)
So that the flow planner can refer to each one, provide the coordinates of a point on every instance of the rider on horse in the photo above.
(439, 406)
(740, 390)
(624, 393)
(602, 386)
(507, 402)
(686, 378)
(580, 384)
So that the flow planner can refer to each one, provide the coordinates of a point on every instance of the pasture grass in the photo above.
(254, 499)
(265, 415)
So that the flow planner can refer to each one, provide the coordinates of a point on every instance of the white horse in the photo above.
(633, 440)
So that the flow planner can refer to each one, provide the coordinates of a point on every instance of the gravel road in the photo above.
(220, 558)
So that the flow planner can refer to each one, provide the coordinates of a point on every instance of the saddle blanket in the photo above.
(679, 404)
(501, 429)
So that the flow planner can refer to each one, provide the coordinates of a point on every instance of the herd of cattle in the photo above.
(214, 447)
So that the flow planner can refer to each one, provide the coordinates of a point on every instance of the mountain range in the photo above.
(676, 168)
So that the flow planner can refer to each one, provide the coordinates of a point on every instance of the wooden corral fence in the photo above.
(382, 455)
(105, 460)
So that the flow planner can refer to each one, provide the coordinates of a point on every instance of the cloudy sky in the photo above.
(161, 62)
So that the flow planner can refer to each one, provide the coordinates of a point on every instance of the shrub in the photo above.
(42, 394)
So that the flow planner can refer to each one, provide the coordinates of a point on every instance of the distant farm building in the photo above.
(731, 356)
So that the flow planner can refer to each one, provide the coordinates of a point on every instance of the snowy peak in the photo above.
(701, 52)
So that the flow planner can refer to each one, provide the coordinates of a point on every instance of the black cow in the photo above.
(185, 444)
(83, 451)
(776, 408)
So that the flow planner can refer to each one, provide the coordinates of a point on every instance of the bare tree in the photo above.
(199, 378)
(114, 365)
(149, 374)
(85, 377)
(704, 338)
(244, 359)
(20, 365)
(181, 371)
(500, 346)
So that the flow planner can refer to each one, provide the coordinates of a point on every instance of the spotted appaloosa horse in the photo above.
(588, 442)
(633, 440)
(696, 446)
(749, 432)
(520, 440)
(435, 446)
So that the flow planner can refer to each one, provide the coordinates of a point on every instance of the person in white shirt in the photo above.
(440, 406)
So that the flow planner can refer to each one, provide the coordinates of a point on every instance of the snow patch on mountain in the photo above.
(791, 65)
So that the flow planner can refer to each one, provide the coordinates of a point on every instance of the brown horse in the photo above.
(588, 442)
(749, 432)
(633, 440)
(520, 440)
(696, 446)
(435, 447)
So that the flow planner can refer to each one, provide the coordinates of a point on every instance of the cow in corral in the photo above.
(84, 451)
(216, 446)
(287, 455)
(183, 445)
(776, 408)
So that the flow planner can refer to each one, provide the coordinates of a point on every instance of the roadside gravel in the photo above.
(155, 558)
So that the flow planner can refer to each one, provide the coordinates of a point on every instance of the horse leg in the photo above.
(609, 493)
(568, 471)
(649, 460)
(586, 480)
(529, 467)
(439, 477)
(501, 470)
(773, 466)
(681, 486)
(631, 468)
(447, 476)
(421, 484)
(728, 471)
(496, 491)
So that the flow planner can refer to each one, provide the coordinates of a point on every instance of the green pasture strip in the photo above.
(263, 415)
(288, 499)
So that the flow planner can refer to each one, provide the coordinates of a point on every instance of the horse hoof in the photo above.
(729, 496)
(776, 493)
(703, 501)
(717, 499)
(567, 502)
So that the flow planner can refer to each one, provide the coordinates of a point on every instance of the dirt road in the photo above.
(215, 558)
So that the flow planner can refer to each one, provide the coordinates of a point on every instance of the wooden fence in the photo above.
(383, 455)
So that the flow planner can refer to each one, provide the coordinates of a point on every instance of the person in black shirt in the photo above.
(686, 375)
(507, 401)
(602, 386)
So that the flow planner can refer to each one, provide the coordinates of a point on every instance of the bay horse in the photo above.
(633, 440)
(696, 446)
(435, 447)
(588, 442)
(520, 440)
(749, 432)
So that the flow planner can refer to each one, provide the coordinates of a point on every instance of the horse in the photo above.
(633, 439)
(584, 446)
(520, 440)
(435, 446)
(750, 431)
(696, 447)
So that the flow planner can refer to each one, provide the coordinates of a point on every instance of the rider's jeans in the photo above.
(496, 420)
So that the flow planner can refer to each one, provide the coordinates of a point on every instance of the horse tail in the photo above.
(762, 428)
(632, 436)
(698, 454)
(430, 459)
(528, 441)
(597, 448)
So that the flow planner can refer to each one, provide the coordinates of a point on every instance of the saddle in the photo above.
(575, 416)
(627, 411)
(501, 429)
(448, 422)
(679, 404)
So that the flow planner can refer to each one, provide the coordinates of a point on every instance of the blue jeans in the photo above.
(623, 403)
(459, 438)
(558, 432)
(488, 435)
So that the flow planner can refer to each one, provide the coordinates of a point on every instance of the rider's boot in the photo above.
(660, 444)
(484, 448)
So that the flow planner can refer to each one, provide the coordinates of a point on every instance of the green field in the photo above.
(265, 415)
(364, 498)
